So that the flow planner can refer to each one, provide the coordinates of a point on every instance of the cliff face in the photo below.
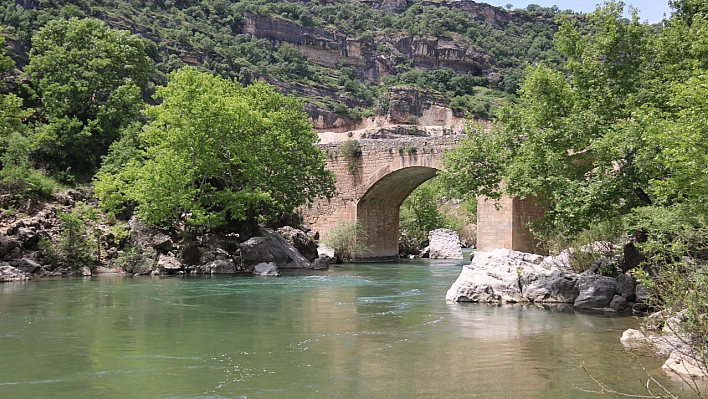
(374, 57)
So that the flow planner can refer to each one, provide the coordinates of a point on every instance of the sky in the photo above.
(649, 10)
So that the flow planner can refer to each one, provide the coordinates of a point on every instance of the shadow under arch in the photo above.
(378, 211)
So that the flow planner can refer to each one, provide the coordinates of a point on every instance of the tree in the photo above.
(420, 214)
(90, 79)
(579, 143)
(17, 177)
(215, 152)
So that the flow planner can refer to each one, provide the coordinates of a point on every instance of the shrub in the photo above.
(75, 244)
(22, 182)
(348, 240)
(350, 151)
(603, 240)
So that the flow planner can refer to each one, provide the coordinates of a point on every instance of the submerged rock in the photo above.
(266, 270)
(682, 359)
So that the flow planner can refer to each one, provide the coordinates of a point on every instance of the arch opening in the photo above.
(378, 211)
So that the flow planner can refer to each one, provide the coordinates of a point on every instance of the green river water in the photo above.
(354, 331)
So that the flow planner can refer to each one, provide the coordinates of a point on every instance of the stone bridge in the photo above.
(375, 185)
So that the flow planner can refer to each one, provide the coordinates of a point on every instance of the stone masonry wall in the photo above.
(379, 159)
(504, 224)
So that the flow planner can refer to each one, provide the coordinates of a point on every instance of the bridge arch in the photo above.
(379, 207)
(387, 171)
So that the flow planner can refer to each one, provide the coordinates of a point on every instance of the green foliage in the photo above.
(134, 260)
(216, 152)
(419, 213)
(17, 176)
(90, 79)
(423, 210)
(77, 245)
(618, 139)
(578, 143)
(23, 182)
(213, 29)
(351, 151)
(348, 240)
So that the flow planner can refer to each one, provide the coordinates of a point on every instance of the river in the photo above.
(354, 331)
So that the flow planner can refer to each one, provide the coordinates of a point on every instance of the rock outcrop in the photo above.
(663, 337)
(9, 273)
(300, 241)
(506, 276)
(444, 244)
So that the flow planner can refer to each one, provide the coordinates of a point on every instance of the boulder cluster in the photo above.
(506, 276)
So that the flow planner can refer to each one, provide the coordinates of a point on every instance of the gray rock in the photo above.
(28, 237)
(506, 276)
(626, 286)
(221, 267)
(641, 292)
(321, 264)
(9, 273)
(284, 253)
(301, 241)
(619, 303)
(7, 244)
(169, 264)
(596, 292)
(445, 244)
(325, 252)
(425, 253)
(229, 243)
(148, 237)
(640, 307)
(26, 265)
(63, 199)
(191, 254)
(266, 270)
(631, 257)
(556, 286)
(85, 271)
(254, 251)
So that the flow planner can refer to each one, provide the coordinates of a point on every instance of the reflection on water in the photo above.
(373, 330)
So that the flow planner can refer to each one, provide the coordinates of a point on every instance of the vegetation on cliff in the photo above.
(211, 34)
(619, 140)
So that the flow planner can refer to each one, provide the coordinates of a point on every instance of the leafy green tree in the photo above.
(17, 176)
(90, 79)
(420, 214)
(579, 143)
(215, 152)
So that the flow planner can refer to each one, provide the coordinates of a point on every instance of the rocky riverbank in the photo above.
(506, 276)
(31, 244)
